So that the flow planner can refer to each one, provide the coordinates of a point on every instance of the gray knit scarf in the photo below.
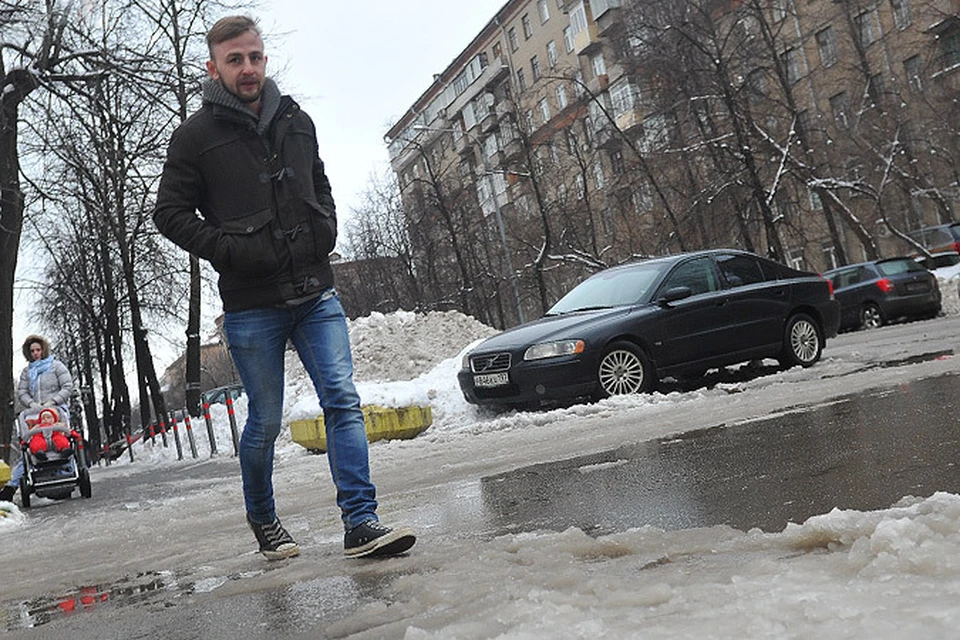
(214, 93)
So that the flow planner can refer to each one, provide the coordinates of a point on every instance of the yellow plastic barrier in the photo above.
(381, 423)
(4, 472)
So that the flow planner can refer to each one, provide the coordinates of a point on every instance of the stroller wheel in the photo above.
(24, 493)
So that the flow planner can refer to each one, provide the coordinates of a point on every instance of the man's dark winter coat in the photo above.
(268, 220)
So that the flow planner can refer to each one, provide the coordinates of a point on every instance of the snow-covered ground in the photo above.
(887, 574)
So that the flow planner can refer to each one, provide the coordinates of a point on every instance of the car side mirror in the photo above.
(673, 294)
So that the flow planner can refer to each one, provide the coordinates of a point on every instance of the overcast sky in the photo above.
(357, 66)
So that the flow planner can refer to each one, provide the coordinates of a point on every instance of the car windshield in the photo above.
(896, 267)
(608, 289)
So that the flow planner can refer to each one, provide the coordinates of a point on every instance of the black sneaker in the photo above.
(6, 493)
(372, 539)
(275, 542)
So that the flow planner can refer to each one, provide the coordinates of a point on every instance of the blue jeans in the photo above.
(318, 330)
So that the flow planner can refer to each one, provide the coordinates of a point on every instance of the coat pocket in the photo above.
(247, 246)
(323, 222)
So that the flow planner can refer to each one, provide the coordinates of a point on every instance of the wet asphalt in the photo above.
(857, 452)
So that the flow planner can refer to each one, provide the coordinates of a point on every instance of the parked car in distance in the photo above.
(874, 293)
(939, 260)
(219, 394)
(622, 329)
(938, 238)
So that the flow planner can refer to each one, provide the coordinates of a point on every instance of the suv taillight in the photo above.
(885, 285)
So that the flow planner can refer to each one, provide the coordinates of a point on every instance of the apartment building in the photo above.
(579, 129)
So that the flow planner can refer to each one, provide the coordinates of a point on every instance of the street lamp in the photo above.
(488, 173)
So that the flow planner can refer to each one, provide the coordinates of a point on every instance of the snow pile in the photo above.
(403, 345)
(852, 574)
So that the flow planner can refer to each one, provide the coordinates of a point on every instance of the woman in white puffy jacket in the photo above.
(44, 382)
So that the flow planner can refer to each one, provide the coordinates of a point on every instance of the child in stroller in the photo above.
(49, 434)
(50, 469)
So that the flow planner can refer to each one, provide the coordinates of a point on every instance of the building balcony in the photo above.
(462, 145)
(587, 41)
(607, 138)
(489, 122)
(598, 84)
(629, 120)
(513, 149)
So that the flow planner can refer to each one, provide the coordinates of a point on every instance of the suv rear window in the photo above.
(895, 267)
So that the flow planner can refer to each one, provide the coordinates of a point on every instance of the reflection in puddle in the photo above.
(145, 587)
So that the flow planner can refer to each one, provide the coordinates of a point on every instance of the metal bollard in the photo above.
(130, 446)
(213, 439)
(176, 435)
(163, 431)
(189, 426)
(233, 426)
(153, 433)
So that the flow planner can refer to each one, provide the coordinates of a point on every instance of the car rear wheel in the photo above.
(802, 342)
(871, 316)
(624, 368)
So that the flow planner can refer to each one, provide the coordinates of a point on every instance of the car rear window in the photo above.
(740, 270)
(896, 267)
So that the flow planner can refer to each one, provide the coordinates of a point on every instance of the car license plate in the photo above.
(916, 286)
(491, 379)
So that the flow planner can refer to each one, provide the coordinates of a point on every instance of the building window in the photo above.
(623, 98)
(950, 49)
(527, 28)
(521, 79)
(528, 115)
(779, 8)
(840, 104)
(581, 187)
(598, 65)
(616, 162)
(544, 11)
(827, 45)
(497, 50)
(562, 101)
(791, 61)
(552, 57)
(578, 19)
(876, 89)
(512, 36)
(535, 67)
(901, 13)
(544, 108)
(866, 24)
(913, 68)
(568, 38)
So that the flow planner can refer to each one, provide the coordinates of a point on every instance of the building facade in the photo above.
(570, 135)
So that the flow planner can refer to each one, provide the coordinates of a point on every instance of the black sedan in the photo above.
(874, 293)
(622, 329)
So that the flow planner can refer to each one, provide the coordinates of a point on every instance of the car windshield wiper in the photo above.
(594, 308)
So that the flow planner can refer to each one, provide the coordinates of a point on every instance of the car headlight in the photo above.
(553, 349)
(465, 362)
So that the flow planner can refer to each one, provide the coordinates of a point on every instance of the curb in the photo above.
(381, 423)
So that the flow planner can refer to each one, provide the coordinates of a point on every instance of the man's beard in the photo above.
(243, 99)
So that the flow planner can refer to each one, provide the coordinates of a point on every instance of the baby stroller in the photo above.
(51, 474)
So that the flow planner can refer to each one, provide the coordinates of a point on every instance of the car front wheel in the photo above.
(802, 342)
(624, 368)
(870, 316)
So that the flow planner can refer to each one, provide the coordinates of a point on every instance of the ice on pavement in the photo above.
(890, 573)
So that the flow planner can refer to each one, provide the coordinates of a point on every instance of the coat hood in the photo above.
(44, 346)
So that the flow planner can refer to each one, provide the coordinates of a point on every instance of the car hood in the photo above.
(573, 325)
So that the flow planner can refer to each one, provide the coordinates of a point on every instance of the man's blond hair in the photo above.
(228, 28)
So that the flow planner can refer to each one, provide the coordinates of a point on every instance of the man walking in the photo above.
(248, 162)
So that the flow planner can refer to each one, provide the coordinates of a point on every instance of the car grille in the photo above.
(491, 363)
